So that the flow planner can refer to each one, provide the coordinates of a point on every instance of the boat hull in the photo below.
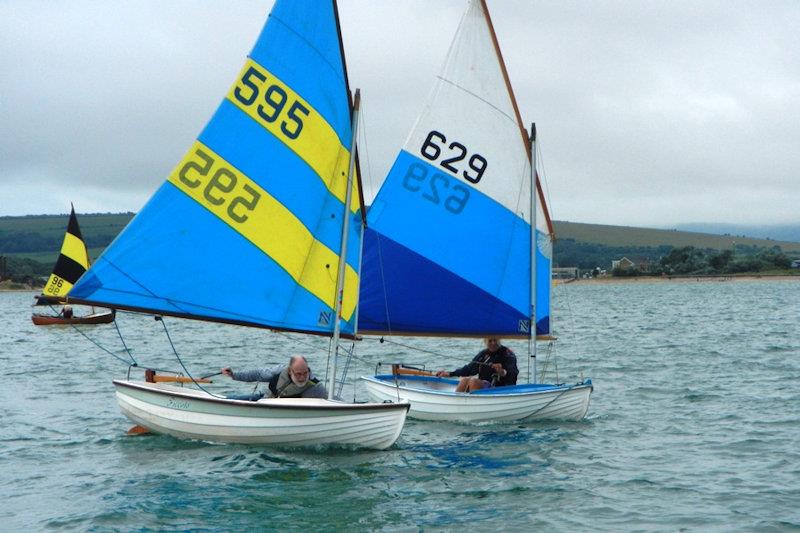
(434, 398)
(193, 414)
(50, 320)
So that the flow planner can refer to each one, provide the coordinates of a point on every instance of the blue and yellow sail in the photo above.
(448, 247)
(247, 228)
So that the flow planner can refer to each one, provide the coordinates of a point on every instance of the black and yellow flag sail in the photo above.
(72, 262)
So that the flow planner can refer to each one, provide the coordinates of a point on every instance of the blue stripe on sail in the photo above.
(301, 47)
(285, 176)
(175, 250)
(542, 294)
(422, 297)
(485, 243)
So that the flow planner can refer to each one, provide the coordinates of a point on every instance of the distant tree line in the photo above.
(665, 259)
(33, 242)
(589, 256)
(23, 270)
(691, 260)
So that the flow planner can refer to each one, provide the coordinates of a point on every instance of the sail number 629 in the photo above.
(432, 150)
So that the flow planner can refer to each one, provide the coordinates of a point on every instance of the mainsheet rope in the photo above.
(178, 357)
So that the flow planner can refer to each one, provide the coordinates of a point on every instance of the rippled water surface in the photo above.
(694, 425)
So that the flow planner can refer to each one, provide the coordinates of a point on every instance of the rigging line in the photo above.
(115, 356)
(363, 139)
(478, 97)
(540, 159)
(438, 354)
(178, 357)
(102, 348)
(116, 325)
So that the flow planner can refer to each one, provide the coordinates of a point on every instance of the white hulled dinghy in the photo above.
(259, 225)
(459, 239)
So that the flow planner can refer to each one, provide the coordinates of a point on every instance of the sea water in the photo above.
(694, 425)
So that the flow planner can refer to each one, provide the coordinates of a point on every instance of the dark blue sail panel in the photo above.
(248, 226)
(405, 293)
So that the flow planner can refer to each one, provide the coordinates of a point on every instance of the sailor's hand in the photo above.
(499, 369)
(442, 373)
(227, 371)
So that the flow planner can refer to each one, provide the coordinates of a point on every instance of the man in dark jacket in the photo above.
(496, 366)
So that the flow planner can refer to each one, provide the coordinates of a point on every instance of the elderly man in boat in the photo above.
(495, 366)
(294, 380)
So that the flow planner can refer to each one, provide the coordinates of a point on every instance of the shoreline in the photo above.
(680, 279)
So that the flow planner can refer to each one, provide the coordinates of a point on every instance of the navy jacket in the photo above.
(481, 365)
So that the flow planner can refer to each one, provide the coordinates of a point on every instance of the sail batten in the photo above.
(247, 229)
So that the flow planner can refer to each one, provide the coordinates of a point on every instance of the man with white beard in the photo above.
(294, 380)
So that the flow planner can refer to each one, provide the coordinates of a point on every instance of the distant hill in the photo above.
(625, 236)
(778, 232)
(39, 238)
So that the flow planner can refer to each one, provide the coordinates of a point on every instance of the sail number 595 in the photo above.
(434, 148)
(218, 188)
(272, 104)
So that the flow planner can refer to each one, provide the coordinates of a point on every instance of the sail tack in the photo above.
(72, 262)
(247, 228)
(447, 248)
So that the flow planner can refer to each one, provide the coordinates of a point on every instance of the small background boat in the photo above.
(105, 316)
(72, 263)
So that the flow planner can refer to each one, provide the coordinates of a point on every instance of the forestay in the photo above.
(247, 228)
(447, 249)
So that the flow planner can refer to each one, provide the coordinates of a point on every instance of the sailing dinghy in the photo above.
(72, 262)
(259, 225)
(448, 249)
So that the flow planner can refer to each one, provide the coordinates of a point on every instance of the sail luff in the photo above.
(343, 253)
(522, 131)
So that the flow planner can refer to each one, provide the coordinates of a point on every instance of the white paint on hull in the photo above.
(436, 400)
(188, 413)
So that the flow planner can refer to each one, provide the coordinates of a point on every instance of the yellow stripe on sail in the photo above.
(75, 249)
(284, 113)
(250, 210)
(56, 286)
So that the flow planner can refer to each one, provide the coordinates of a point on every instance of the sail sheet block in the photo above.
(448, 250)
(247, 228)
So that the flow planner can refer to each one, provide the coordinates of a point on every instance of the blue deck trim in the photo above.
(495, 391)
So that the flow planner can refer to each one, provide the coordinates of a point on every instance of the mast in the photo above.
(535, 183)
(343, 248)
(534, 246)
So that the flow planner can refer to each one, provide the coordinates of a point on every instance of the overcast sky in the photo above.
(649, 113)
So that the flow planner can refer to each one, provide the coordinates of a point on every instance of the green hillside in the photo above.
(30, 244)
(39, 237)
(624, 236)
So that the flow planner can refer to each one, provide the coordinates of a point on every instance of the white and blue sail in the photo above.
(248, 227)
(447, 250)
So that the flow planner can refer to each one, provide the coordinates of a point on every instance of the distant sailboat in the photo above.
(71, 264)
(256, 227)
(448, 250)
